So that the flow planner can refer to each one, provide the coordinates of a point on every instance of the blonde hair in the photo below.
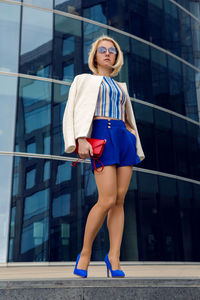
(92, 54)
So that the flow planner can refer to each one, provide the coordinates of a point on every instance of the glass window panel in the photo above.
(31, 148)
(68, 73)
(72, 7)
(36, 45)
(63, 173)
(47, 144)
(196, 222)
(171, 243)
(30, 179)
(47, 169)
(185, 200)
(61, 206)
(176, 96)
(36, 204)
(148, 222)
(9, 37)
(67, 48)
(159, 78)
(33, 236)
(16, 183)
(68, 45)
(194, 150)
(141, 71)
(38, 118)
(5, 196)
(155, 17)
(12, 233)
(181, 146)
(34, 116)
(95, 12)
(46, 3)
(190, 93)
(8, 89)
(164, 143)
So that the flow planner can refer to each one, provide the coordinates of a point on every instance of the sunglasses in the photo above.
(111, 50)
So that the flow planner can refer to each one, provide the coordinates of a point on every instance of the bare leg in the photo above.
(115, 219)
(107, 189)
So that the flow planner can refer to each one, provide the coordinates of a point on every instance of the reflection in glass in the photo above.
(5, 195)
(176, 92)
(63, 173)
(36, 45)
(46, 3)
(159, 78)
(47, 166)
(140, 86)
(30, 179)
(8, 90)
(36, 204)
(170, 232)
(185, 202)
(34, 240)
(189, 86)
(61, 206)
(34, 116)
(9, 37)
(147, 218)
(72, 7)
(67, 48)
(96, 12)
(12, 231)
(60, 97)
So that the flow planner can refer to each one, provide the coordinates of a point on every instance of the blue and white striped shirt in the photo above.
(111, 100)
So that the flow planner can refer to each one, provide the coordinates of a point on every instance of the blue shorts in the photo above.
(120, 148)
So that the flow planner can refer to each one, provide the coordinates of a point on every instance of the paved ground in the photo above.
(59, 271)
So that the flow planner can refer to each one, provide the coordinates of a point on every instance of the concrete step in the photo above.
(55, 281)
(101, 289)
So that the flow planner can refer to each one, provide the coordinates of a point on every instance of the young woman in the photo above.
(100, 107)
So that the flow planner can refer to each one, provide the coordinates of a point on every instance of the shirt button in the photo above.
(109, 126)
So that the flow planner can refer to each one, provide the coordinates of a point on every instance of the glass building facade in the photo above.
(44, 202)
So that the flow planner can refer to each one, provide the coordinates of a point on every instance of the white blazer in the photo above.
(80, 108)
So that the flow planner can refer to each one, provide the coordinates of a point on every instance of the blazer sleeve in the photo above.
(68, 119)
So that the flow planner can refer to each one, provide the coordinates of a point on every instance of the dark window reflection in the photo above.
(164, 143)
(67, 48)
(176, 91)
(147, 218)
(33, 116)
(159, 78)
(70, 6)
(141, 71)
(36, 44)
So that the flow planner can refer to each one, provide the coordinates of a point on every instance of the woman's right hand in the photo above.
(84, 148)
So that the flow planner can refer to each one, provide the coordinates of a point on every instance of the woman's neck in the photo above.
(104, 72)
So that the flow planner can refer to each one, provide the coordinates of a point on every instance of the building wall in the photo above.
(44, 202)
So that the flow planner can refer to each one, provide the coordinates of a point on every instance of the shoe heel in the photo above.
(108, 272)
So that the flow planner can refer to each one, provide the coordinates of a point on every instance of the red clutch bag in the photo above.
(97, 146)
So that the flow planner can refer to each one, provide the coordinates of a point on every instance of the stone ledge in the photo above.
(101, 289)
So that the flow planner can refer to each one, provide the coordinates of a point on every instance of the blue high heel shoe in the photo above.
(79, 272)
(114, 273)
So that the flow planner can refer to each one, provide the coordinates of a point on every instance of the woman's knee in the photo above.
(120, 196)
(107, 202)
